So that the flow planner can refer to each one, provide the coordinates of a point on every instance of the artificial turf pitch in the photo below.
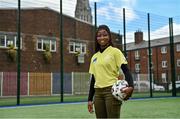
(136, 108)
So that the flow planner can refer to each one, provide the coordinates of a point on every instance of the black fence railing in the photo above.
(45, 54)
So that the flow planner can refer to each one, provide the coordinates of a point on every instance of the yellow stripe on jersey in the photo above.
(105, 66)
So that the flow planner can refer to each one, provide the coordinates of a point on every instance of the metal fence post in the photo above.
(149, 49)
(61, 52)
(124, 27)
(173, 73)
(19, 53)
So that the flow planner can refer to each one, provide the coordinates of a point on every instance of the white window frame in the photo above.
(137, 55)
(178, 77)
(41, 41)
(77, 47)
(164, 64)
(178, 62)
(178, 47)
(137, 67)
(13, 42)
(163, 49)
(164, 77)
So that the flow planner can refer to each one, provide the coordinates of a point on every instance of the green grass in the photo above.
(41, 99)
(67, 98)
(152, 108)
(146, 108)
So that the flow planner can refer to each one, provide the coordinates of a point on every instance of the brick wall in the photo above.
(45, 22)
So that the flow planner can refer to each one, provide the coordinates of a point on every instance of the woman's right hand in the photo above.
(90, 107)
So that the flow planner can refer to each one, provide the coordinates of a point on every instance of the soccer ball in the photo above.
(117, 87)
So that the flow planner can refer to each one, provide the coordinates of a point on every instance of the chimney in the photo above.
(138, 36)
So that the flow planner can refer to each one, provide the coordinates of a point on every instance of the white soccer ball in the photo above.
(117, 87)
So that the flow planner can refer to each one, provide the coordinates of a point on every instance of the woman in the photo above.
(105, 69)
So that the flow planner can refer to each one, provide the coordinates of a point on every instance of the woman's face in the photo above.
(103, 37)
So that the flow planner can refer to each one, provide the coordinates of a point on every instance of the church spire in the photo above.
(83, 11)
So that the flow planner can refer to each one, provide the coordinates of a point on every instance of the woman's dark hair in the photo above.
(104, 27)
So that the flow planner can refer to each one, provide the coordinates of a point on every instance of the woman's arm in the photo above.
(127, 74)
(91, 89)
(129, 79)
(91, 94)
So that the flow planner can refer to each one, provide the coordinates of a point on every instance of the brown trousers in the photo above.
(106, 106)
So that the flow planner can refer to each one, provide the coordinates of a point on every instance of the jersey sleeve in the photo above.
(120, 58)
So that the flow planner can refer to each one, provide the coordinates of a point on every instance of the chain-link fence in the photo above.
(41, 35)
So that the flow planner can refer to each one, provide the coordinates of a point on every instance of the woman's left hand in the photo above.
(90, 107)
(128, 91)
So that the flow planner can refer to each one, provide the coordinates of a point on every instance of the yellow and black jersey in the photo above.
(105, 66)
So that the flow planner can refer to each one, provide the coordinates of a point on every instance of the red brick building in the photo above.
(160, 52)
(40, 29)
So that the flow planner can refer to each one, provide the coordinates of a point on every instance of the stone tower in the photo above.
(83, 11)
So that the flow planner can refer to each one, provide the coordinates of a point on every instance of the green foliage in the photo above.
(12, 53)
(47, 55)
(77, 53)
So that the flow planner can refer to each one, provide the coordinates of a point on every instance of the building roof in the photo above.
(154, 43)
(37, 8)
(45, 8)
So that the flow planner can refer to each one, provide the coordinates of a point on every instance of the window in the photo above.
(77, 47)
(178, 77)
(178, 62)
(137, 67)
(164, 64)
(137, 55)
(44, 43)
(81, 17)
(164, 50)
(178, 47)
(9, 39)
(2, 41)
(148, 51)
(53, 45)
(164, 77)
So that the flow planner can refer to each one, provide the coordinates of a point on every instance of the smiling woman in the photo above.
(105, 70)
(103, 38)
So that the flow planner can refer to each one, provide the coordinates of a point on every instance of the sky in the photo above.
(169, 8)
(110, 13)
